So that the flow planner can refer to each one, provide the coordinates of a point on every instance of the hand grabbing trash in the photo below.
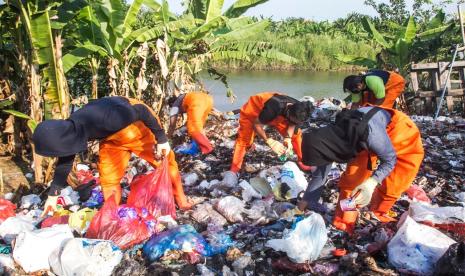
(366, 189)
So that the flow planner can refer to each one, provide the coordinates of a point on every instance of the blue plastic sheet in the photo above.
(190, 149)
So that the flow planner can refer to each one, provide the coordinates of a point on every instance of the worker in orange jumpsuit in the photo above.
(362, 137)
(377, 87)
(197, 106)
(123, 126)
(272, 109)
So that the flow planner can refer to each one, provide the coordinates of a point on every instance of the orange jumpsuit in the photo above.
(115, 152)
(248, 114)
(406, 140)
(198, 105)
(393, 88)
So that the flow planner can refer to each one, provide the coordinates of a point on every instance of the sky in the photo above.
(310, 9)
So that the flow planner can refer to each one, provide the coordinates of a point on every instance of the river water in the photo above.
(295, 84)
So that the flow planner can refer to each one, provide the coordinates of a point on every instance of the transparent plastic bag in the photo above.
(205, 214)
(154, 192)
(305, 242)
(416, 247)
(231, 208)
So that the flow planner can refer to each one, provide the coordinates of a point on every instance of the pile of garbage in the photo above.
(245, 229)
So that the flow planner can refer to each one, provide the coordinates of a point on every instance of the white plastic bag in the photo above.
(12, 226)
(438, 215)
(305, 242)
(417, 247)
(231, 208)
(33, 248)
(190, 179)
(205, 214)
(85, 257)
(248, 192)
(294, 178)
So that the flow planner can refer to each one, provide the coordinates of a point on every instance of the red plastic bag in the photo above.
(154, 192)
(416, 192)
(50, 221)
(125, 225)
(7, 209)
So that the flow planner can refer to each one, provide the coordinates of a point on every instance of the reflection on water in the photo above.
(295, 84)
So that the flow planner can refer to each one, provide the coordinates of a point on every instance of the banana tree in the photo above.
(397, 49)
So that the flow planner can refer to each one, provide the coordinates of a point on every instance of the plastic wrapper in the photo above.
(154, 192)
(95, 199)
(85, 257)
(7, 209)
(294, 178)
(205, 214)
(231, 208)
(416, 248)
(81, 219)
(453, 261)
(415, 192)
(33, 248)
(124, 225)
(446, 218)
(248, 192)
(305, 242)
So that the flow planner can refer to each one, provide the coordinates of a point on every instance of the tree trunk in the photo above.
(36, 114)
(94, 64)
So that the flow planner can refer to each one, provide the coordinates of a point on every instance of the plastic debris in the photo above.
(416, 248)
(294, 178)
(124, 225)
(154, 192)
(80, 220)
(248, 192)
(50, 221)
(231, 208)
(29, 201)
(415, 192)
(204, 271)
(33, 248)
(85, 257)
(241, 263)
(205, 214)
(190, 179)
(12, 226)
(285, 265)
(305, 242)
(448, 218)
(184, 238)
(189, 149)
(7, 209)
(7, 264)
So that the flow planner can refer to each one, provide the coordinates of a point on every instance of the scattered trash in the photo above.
(416, 248)
(85, 257)
(190, 179)
(12, 226)
(415, 192)
(7, 264)
(284, 264)
(305, 242)
(189, 149)
(248, 192)
(80, 220)
(33, 248)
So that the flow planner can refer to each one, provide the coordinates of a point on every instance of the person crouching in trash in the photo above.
(278, 111)
(123, 126)
(362, 138)
(197, 106)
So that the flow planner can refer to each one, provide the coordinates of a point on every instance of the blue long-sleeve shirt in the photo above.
(378, 143)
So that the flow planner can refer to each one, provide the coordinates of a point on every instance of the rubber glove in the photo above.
(230, 179)
(163, 149)
(288, 144)
(366, 191)
(276, 146)
(50, 205)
